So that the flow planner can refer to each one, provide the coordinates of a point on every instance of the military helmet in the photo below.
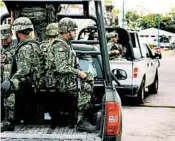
(52, 29)
(22, 23)
(67, 25)
(5, 31)
(112, 35)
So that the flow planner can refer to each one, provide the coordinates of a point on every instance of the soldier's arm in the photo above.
(110, 50)
(23, 65)
(62, 59)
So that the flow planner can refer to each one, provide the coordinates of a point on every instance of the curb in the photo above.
(158, 106)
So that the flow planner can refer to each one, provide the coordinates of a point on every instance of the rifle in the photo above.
(13, 66)
(77, 65)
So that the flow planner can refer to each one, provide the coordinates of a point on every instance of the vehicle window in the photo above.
(145, 51)
(88, 66)
(149, 50)
(136, 41)
(133, 39)
(137, 53)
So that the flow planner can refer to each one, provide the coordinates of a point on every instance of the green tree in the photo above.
(132, 18)
(151, 20)
(115, 11)
(147, 21)
(167, 22)
(1, 3)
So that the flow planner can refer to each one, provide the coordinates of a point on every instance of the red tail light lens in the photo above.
(112, 118)
(135, 72)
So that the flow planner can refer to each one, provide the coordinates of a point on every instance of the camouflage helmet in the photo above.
(5, 31)
(22, 23)
(112, 35)
(67, 25)
(52, 29)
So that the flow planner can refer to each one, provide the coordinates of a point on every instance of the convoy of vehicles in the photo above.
(128, 77)
(106, 113)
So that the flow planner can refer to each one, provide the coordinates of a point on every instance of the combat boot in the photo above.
(84, 126)
(8, 123)
(7, 126)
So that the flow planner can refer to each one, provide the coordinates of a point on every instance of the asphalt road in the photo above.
(156, 120)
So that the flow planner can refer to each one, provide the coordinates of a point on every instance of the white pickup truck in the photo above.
(141, 68)
(140, 64)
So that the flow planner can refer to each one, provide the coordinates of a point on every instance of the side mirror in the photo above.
(158, 56)
(119, 74)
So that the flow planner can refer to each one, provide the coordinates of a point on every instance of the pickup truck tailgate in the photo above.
(44, 133)
(126, 66)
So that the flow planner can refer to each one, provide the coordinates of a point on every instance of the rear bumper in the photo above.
(127, 90)
(113, 138)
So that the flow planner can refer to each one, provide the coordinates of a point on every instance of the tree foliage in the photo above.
(167, 22)
(115, 11)
(1, 3)
(132, 18)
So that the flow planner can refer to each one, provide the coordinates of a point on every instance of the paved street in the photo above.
(156, 121)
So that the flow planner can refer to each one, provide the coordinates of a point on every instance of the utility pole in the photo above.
(123, 13)
(158, 17)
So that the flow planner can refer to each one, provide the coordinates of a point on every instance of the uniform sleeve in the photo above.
(61, 59)
(109, 48)
(24, 62)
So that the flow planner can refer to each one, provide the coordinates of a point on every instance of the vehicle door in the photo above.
(154, 64)
(148, 64)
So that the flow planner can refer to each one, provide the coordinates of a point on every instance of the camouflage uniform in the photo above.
(65, 66)
(61, 68)
(28, 63)
(52, 31)
(6, 51)
(40, 14)
(115, 46)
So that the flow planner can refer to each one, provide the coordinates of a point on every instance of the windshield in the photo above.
(88, 66)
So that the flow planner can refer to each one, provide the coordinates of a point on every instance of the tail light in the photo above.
(112, 118)
(135, 72)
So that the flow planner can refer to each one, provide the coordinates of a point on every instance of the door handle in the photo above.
(147, 64)
(151, 63)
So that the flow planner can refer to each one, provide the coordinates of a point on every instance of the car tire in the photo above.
(140, 99)
(153, 88)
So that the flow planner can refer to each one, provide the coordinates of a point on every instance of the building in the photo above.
(150, 36)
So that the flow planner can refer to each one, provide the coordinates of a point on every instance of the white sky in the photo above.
(156, 6)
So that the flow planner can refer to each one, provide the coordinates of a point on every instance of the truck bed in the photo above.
(45, 133)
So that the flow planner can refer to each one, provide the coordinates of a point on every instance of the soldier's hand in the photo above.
(115, 52)
(6, 86)
(82, 74)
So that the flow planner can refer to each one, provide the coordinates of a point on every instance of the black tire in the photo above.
(153, 88)
(140, 99)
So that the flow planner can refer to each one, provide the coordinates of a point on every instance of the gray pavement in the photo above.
(154, 123)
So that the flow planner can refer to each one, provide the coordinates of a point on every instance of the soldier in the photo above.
(6, 51)
(52, 32)
(63, 57)
(40, 14)
(114, 48)
(27, 62)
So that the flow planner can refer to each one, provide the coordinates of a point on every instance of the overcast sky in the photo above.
(161, 6)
